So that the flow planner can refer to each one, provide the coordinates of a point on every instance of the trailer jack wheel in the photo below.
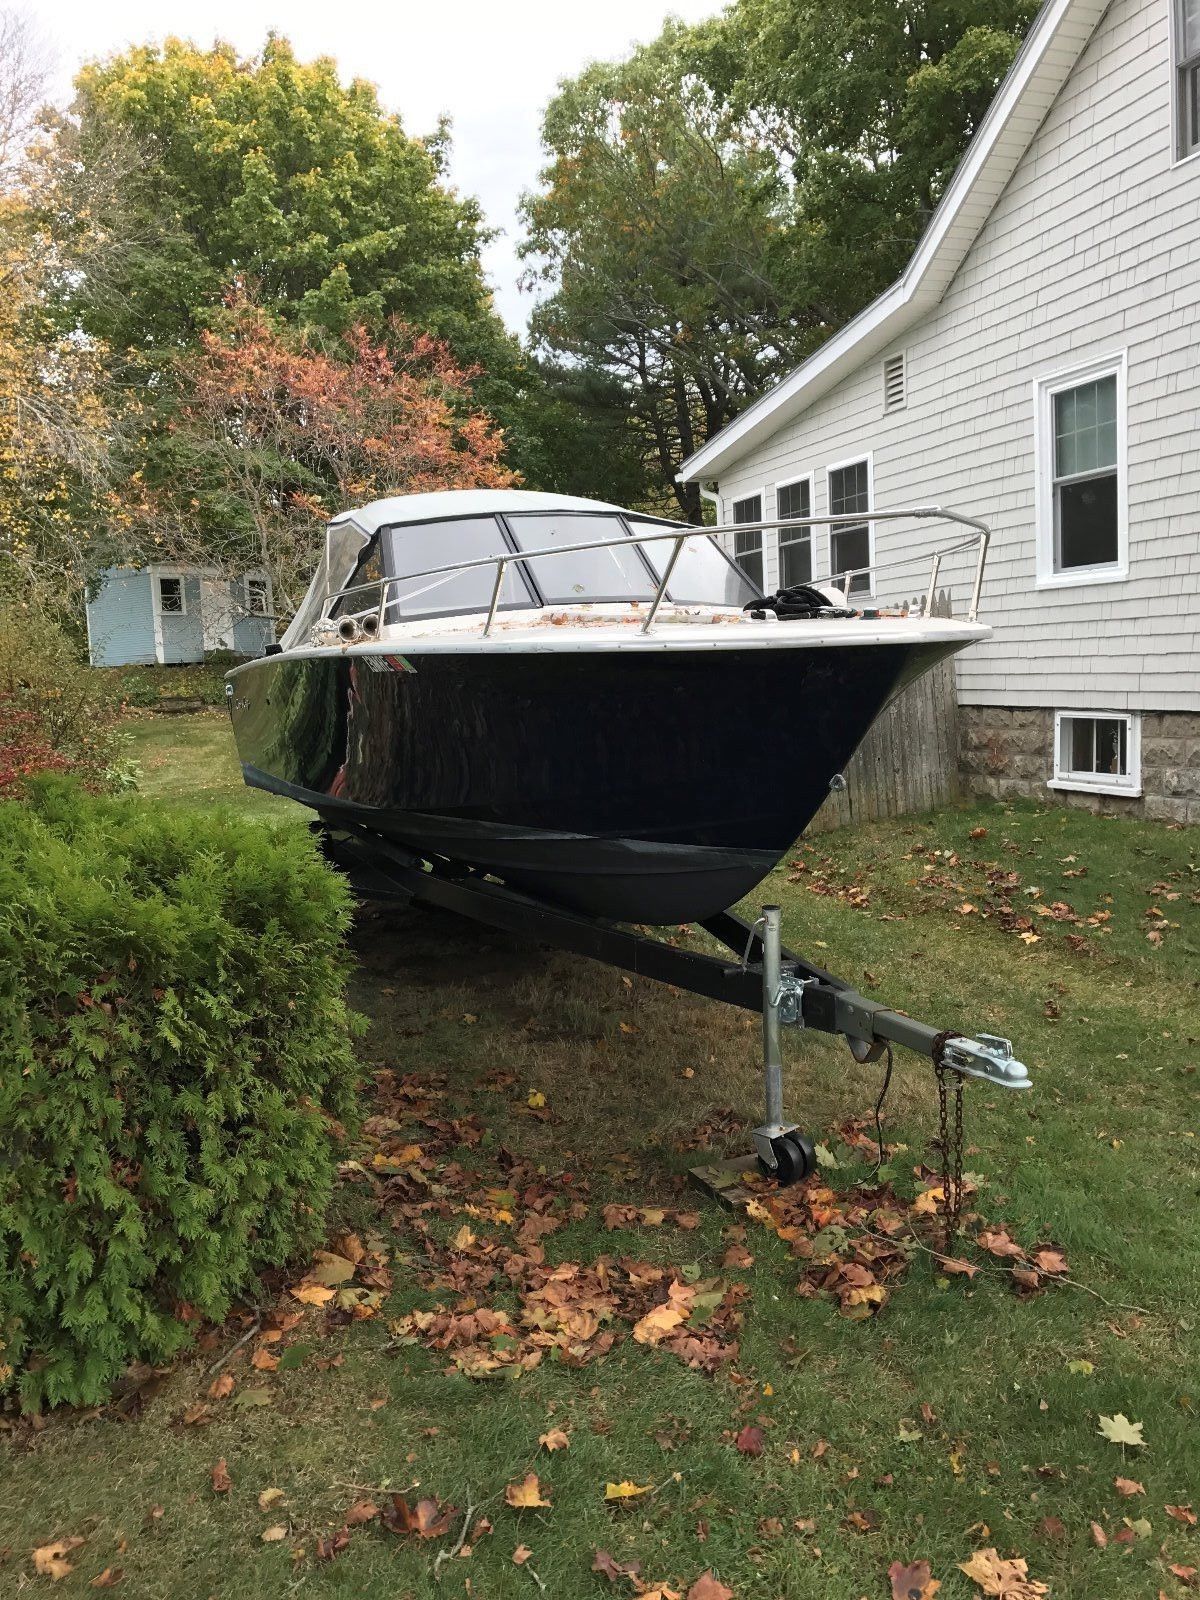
(794, 1156)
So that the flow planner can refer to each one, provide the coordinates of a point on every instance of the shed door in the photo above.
(216, 610)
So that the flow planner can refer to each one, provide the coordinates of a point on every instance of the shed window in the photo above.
(1187, 74)
(795, 544)
(170, 597)
(258, 598)
(1097, 750)
(850, 543)
(748, 546)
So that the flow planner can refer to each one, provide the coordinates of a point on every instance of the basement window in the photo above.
(1098, 751)
(895, 379)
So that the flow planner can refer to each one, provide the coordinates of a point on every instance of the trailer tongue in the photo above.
(762, 976)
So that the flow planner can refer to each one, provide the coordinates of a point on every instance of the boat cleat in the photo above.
(988, 1058)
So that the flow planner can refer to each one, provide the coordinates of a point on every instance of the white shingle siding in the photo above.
(1093, 249)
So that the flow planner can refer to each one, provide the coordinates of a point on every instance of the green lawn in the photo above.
(188, 759)
(959, 1416)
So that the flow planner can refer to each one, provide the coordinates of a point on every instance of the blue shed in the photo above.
(170, 614)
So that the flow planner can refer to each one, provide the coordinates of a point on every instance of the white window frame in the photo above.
(734, 502)
(790, 483)
(837, 466)
(268, 606)
(1044, 391)
(156, 577)
(1179, 155)
(1098, 783)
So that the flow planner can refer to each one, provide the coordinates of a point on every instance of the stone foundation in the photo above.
(1005, 753)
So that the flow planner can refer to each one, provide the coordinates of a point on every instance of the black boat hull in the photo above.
(646, 786)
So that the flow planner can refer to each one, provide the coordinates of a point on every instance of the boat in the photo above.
(599, 708)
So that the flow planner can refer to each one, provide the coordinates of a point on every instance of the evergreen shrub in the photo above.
(176, 1074)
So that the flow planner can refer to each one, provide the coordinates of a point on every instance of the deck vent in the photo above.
(895, 389)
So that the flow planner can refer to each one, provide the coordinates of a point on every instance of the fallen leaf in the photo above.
(555, 1439)
(1186, 1575)
(1007, 1579)
(332, 1545)
(613, 1569)
(707, 1587)
(268, 1497)
(313, 1294)
(536, 1099)
(915, 1582)
(1051, 1528)
(221, 1481)
(1128, 1487)
(1183, 1514)
(361, 1511)
(624, 1490)
(263, 1361)
(1099, 1537)
(427, 1519)
(998, 1242)
(658, 1323)
(220, 1388)
(50, 1559)
(525, 1494)
(521, 1555)
(750, 1441)
(1120, 1430)
(108, 1579)
(1052, 1261)
(273, 1535)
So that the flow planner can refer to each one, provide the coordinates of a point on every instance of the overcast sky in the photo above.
(491, 65)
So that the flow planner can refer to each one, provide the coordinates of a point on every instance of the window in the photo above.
(1187, 76)
(615, 572)
(748, 546)
(895, 384)
(1098, 750)
(1081, 448)
(795, 544)
(703, 574)
(258, 597)
(418, 547)
(850, 543)
(170, 597)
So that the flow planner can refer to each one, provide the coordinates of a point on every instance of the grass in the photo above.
(1101, 1158)
(189, 760)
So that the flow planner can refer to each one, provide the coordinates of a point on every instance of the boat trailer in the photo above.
(762, 976)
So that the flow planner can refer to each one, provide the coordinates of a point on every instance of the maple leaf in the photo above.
(427, 1519)
(221, 1481)
(329, 1270)
(1128, 1487)
(956, 1267)
(521, 1555)
(1119, 1430)
(268, 1497)
(1008, 1580)
(914, 1582)
(707, 1587)
(361, 1511)
(313, 1294)
(263, 1361)
(526, 1494)
(1183, 1514)
(749, 1441)
(221, 1387)
(998, 1242)
(1051, 1260)
(50, 1560)
(625, 1490)
(613, 1569)
(555, 1439)
(1186, 1575)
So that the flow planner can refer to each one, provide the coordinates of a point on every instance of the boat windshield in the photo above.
(343, 545)
(415, 547)
(616, 572)
(703, 574)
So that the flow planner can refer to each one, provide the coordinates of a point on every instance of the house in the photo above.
(172, 614)
(1038, 365)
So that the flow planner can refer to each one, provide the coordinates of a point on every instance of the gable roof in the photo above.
(1052, 46)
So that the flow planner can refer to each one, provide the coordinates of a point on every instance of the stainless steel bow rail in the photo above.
(370, 619)
(759, 975)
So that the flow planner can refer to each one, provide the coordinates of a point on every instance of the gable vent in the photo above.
(895, 393)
